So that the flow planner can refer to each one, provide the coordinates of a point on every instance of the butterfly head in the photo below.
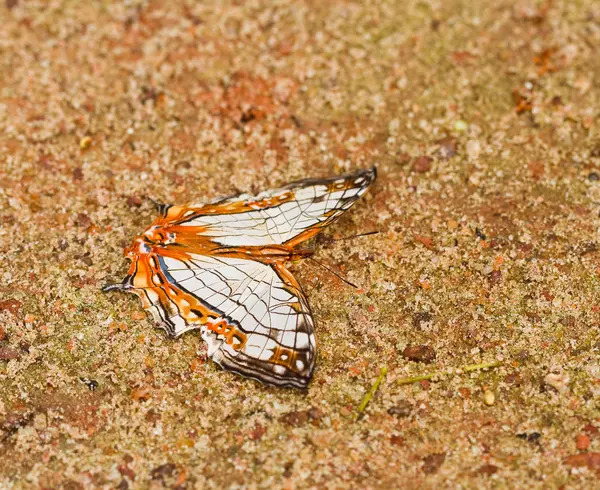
(140, 246)
(157, 235)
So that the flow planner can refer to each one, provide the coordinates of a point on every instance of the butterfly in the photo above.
(220, 267)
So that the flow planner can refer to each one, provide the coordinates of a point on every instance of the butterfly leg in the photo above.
(297, 255)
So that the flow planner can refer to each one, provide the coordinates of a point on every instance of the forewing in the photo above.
(254, 317)
(288, 215)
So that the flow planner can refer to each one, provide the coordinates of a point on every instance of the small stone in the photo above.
(83, 220)
(513, 379)
(422, 164)
(72, 485)
(77, 174)
(495, 277)
(432, 462)
(314, 413)
(452, 224)
(397, 440)
(537, 169)
(473, 149)
(488, 469)
(402, 158)
(152, 416)
(588, 248)
(11, 305)
(163, 471)
(427, 241)
(295, 419)
(8, 353)
(85, 142)
(421, 318)
(123, 485)
(300, 417)
(258, 432)
(322, 439)
(419, 353)
(582, 441)
(447, 147)
(489, 398)
(402, 409)
(593, 177)
(126, 471)
(558, 379)
(14, 421)
(461, 125)
(134, 201)
(141, 393)
(590, 460)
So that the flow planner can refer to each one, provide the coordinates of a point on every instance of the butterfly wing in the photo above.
(253, 316)
(285, 216)
(252, 313)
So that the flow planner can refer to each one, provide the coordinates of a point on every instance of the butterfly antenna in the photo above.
(333, 272)
(160, 207)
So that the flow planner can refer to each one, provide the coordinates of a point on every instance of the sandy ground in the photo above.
(482, 118)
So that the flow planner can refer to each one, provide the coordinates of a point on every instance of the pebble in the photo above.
(461, 125)
(83, 220)
(402, 409)
(85, 143)
(432, 462)
(8, 353)
(420, 318)
(590, 460)
(422, 164)
(582, 441)
(447, 148)
(419, 353)
(473, 149)
(558, 379)
(489, 398)
(452, 224)
(488, 469)
(163, 471)
(134, 201)
(495, 277)
(300, 417)
(10, 305)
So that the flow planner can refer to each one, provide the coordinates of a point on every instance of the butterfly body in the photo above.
(220, 267)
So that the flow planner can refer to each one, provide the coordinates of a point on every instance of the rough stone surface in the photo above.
(489, 253)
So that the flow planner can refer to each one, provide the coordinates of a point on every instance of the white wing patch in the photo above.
(274, 319)
(314, 204)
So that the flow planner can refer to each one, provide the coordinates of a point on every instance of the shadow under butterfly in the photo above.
(220, 267)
